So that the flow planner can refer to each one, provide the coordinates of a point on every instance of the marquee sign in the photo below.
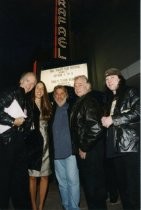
(63, 75)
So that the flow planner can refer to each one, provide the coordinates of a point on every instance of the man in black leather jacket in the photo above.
(87, 132)
(13, 164)
(122, 119)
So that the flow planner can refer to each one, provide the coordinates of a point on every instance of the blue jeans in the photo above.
(68, 179)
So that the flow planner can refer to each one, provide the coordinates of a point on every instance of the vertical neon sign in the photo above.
(61, 30)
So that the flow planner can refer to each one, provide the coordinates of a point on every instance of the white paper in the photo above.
(14, 110)
(4, 128)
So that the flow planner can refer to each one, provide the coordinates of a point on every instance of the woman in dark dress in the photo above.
(41, 113)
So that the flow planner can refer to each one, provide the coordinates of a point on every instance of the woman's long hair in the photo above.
(110, 96)
(46, 107)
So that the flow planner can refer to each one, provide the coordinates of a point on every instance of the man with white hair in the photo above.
(14, 180)
(87, 133)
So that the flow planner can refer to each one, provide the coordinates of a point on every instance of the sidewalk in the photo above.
(53, 200)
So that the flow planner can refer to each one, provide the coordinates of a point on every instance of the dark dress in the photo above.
(40, 164)
(34, 142)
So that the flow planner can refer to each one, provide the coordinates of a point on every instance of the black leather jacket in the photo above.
(86, 127)
(6, 98)
(125, 129)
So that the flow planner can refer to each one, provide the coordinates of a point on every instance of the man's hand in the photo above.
(18, 121)
(107, 121)
(82, 154)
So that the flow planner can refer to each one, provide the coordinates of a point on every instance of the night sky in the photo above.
(26, 30)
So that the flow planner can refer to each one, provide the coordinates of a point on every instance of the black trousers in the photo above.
(128, 177)
(111, 181)
(92, 178)
(14, 179)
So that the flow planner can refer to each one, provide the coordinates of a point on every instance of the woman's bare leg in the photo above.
(43, 191)
(33, 191)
